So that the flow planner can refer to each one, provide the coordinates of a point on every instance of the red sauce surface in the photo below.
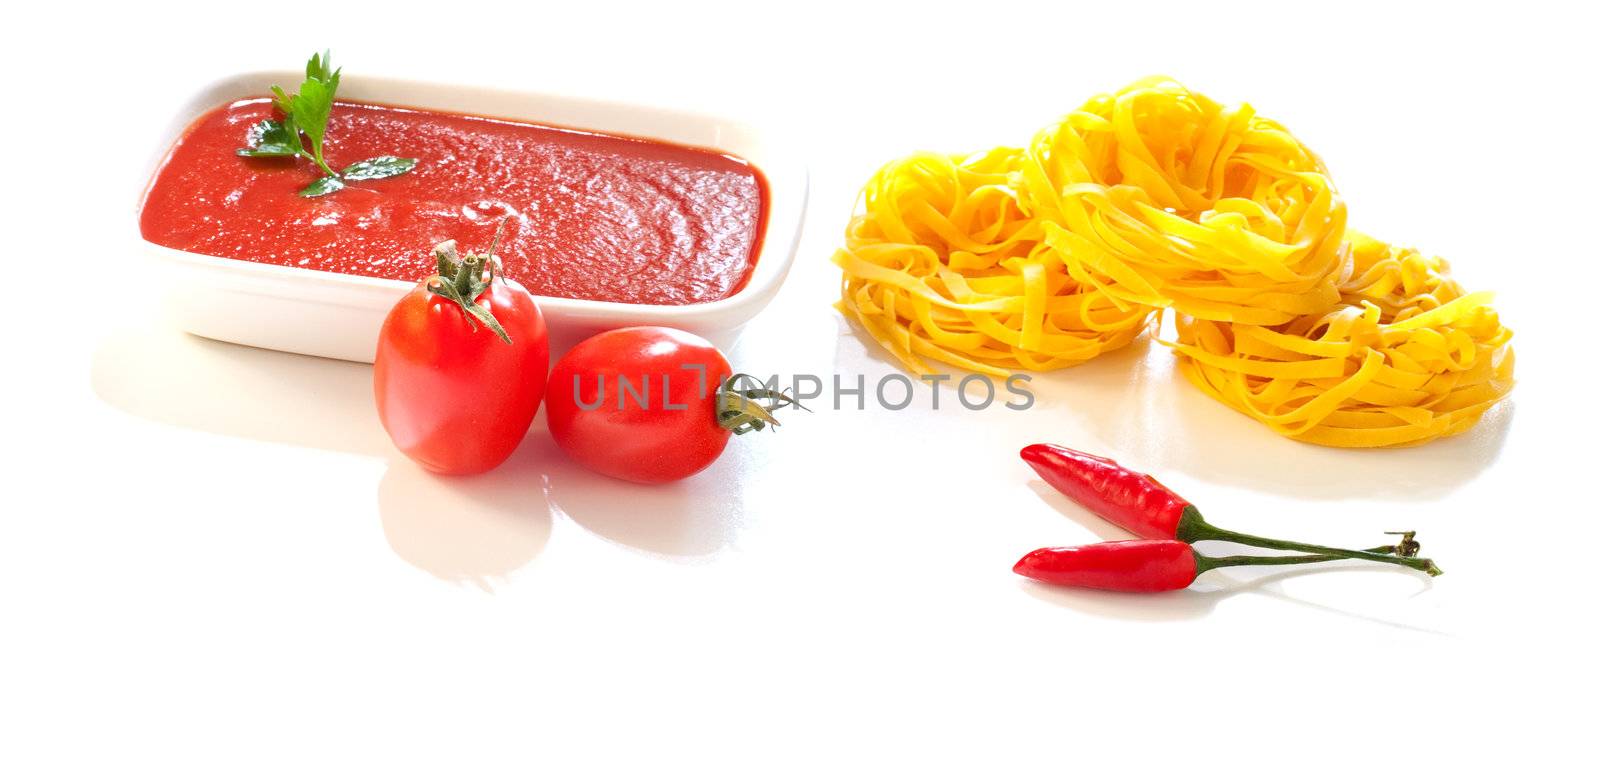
(593, 216)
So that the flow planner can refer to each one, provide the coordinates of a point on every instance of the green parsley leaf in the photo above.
(282, 101)
(377, 168)
(320, 68)
(271, 138)
(311, 108)
(323, 187)
(307, 112)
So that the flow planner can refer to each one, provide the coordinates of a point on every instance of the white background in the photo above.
(211, 558)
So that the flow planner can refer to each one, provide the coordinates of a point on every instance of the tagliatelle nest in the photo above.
(944, 264)
(1404, 358)
(1153, 198)
(1163, 197)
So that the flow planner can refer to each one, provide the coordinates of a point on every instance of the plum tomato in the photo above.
(460, 367)
(650, 404)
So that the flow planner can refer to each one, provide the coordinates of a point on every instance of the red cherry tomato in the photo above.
(595, 415)
(453, 395)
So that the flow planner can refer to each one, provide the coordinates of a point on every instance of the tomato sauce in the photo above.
(592, 216)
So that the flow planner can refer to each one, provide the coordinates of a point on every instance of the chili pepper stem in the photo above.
(1193, 528)
(1204, 563)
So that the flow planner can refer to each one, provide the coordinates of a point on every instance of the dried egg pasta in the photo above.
(1405, 357)
(945, 265)
(1155, 198)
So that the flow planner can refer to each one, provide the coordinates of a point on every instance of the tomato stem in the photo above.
(740, 410)
(461, 279)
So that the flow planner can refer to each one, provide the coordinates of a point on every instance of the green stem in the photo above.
(469, 277)
(1204, 563)
(1193, 528)
(740, 410)
(461, 280)
(319, 162)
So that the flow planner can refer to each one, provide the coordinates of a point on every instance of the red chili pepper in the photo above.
(1122, 565)
(1136, 502)
(1135, 565)
(1139, 503)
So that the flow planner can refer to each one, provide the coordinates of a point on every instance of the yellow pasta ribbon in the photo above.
(944, 265)
(1405, 357)
(1156, 197)
(1162, 197)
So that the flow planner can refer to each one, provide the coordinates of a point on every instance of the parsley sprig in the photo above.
(306, 113)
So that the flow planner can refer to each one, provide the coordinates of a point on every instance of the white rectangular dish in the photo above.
(338, 315)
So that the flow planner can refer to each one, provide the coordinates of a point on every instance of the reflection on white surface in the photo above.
(686, 519)
(477, 529)
(1146, 411)
(1216, 586)
(481, 530)
(1134, 406)
(165, 375)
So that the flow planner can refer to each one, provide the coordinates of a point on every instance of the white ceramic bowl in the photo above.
(338, 315)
